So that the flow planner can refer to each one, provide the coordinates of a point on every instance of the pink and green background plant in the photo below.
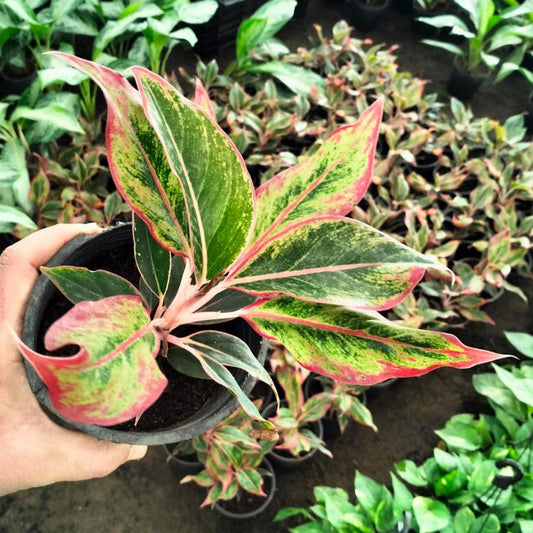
(285, 257)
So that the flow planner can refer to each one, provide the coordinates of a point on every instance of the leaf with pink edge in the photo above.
(335, 260)
(217, 187)
(201, 99)
(114, 376)
(329, 182)
(356, 347)
(137, 162)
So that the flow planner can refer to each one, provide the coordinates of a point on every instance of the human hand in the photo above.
(34, 450)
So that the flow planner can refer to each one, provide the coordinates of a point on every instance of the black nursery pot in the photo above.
(165, 421)
(366, 17)
(250, 505)
(463, 84)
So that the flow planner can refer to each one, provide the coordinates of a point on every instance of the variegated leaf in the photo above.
(136, 159)
(355, 347)
(80, 284)
(114, 377)
(201, 99)
(216, 184)
(153, 261)
(335, 260)
(216, 350)
(329, 182)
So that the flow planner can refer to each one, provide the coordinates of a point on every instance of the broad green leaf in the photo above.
(53, 114)
(137, 161)
(263, 24)
(153, 261)
(216, 184)
(15, 173)
(410, 473)
(449, 47)
(523, 342)
(80, 284)
(298, 79)
(431, 515)
(329, 182)
(463, 520)
(117, 28)
(198, 12)
(114, 376)
(521, 387)
(485, 524)
(369, 493)
(334, 260)
(460, 435)
(9, 216)
(215, 350)
(355, 347)
(185, 363)
(50, 76)
(201, 99)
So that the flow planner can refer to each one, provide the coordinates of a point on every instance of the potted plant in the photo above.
(298, 420)
(209, 249)
(240, 481)
(488, 35)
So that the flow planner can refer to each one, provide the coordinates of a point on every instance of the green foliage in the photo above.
(489, 33)
(478, 480)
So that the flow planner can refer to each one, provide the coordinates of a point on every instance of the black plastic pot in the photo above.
(284, 459)
(11, 84)
(269, 487)
(464, 84)
(366, 17)
(529, 113)
(182, 464)
(90, 251)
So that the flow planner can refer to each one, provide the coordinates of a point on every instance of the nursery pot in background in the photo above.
(366, 15)
(182, 464)
(283, 458)
(462, 83)
(250, 505)
(187, 407)
(529, 112)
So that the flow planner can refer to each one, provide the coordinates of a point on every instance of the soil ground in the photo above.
(144, 497)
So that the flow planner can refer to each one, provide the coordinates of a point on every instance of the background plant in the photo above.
(479, 478)
(232, 459)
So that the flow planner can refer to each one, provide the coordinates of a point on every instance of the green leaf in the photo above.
(152, 260)
(431, 515)
(410, 473)
(263, 25)
(450, 483)
(53, 114)
(521, 387)
(114, 376)
(449, 47)
(523, 342)
(329, 182)
(198, 12)
(80, 284)
(216, 350)
(123, 26)
(9, 216)
(51, 76)
(463, 520)
(298, 79)
(217, 186)
(137, 161)
(355, 347)
(460, 435)
(186, 363)
(345, 263)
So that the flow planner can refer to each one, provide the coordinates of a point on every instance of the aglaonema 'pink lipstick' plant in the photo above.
(209, 248)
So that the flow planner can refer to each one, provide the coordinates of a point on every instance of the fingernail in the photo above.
(137, 452)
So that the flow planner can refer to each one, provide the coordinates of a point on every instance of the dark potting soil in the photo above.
(183, 395)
